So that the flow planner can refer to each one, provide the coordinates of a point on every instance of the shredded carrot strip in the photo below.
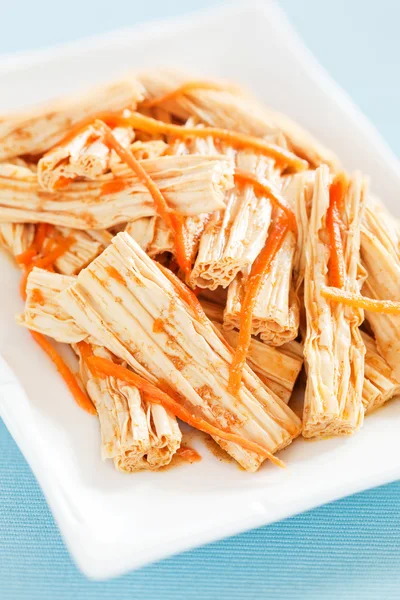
(186, 294)
(357, 301)
(134, 164)
(183, 89)
(334, 224)
(259, 270)
(75, 130)
(233, 138)
(61, 247)
(81, 398)
(264, 187)
(46, 261)
(171, 219)
(86, 352)
(183, 248)
(25, 258)
(338, 189)
(157, 396)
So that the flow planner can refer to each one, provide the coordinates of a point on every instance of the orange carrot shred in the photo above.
(260, 268)
(357, 301)
(336, 264)
(283, 157)
(234, 138)
(80, 397)
(60, 248)
(183, 248)
(25, 258)
(338, 189)
(173, 220)
(157, 396)
(265, 187)
(184, 89)
(86, 352)
(85, 349)
(46, 261)
(75, 130)
(134, 164)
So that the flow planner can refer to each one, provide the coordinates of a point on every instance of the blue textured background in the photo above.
(348, 549)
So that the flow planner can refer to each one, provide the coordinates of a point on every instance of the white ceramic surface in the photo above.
(113, 522)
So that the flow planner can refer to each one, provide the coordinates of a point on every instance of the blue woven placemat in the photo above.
(348, 549)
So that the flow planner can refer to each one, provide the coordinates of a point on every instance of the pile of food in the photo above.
(193, 247)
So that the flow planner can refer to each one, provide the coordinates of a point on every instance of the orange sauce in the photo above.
(113, 187)
(62, 182)
(158, 326)
(188, 454)
(37, 297)
(115, 274)
(217, 451)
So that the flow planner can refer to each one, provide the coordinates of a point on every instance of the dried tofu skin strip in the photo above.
(83, 250)
(235, 110)
(190, 184)
(85, 155)
(16, 237)
(380, 254)
(22, 162)
(152, 235)
(278, 368)
(217, 296)
(195, 226)
(137, 315)
(333, 349)
(36, 132)
(42, 311)
(298, 190)
(141, 151)
(276, 313)
(380, 385)
(136, 434)
(234, 237)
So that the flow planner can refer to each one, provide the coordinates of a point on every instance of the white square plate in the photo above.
(113, 522)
